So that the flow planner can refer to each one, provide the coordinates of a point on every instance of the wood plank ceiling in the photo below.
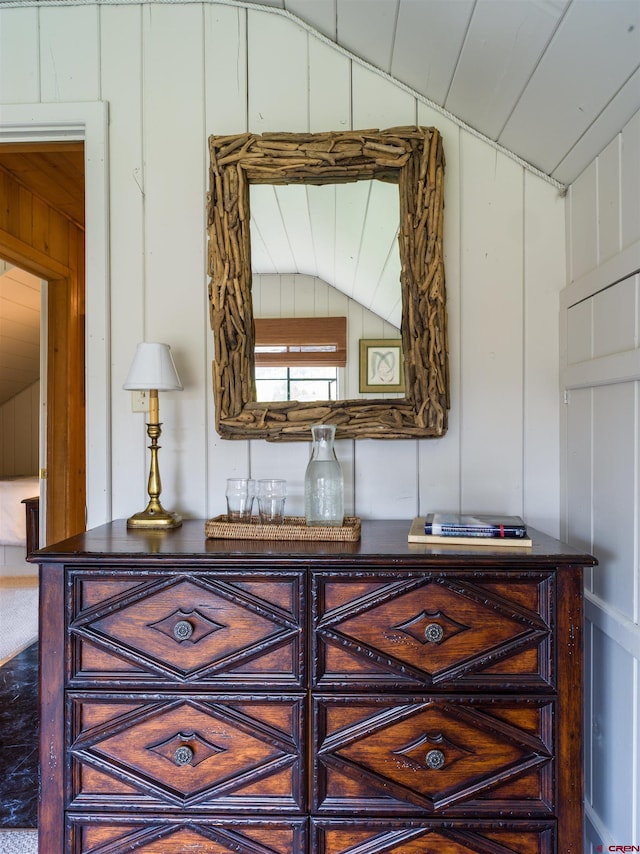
(53, 171)
(552, 81)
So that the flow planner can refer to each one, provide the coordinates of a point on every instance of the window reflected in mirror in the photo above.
(299, 358)
(296, 383)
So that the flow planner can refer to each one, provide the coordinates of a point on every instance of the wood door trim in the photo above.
(65, 409)
(29, 258)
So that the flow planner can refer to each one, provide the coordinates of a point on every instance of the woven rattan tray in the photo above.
(293, 528)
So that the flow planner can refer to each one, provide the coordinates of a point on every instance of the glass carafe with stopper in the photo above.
(323, 481)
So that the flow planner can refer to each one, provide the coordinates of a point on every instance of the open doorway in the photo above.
(21, 407)
(42, 232)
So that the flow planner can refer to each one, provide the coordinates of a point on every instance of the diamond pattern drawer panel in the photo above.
(449, 756)
(418, 837)
(237, 753)
(422, 631)
(241, 631)
(162, 835)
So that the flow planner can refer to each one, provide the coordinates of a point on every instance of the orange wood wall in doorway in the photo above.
(44, 241)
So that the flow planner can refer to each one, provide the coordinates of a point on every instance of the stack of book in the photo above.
(477, 530)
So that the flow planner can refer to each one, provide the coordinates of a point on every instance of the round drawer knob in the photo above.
(183, 755)
(435, 759)
(182, 630)
(434, 633)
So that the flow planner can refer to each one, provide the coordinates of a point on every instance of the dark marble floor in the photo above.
(19, 740)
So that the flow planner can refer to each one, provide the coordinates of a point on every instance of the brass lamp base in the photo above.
(154, 516)
(154, 519)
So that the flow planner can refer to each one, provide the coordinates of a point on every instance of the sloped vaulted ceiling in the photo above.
(552, 81)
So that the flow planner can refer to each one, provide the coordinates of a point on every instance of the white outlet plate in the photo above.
(139, 401)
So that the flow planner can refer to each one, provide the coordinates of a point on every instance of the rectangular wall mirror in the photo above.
(407, 164)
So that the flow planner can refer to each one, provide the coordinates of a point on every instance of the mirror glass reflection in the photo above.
(328, 250)
(414, 158)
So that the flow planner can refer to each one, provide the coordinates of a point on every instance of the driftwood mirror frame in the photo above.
(412, 157)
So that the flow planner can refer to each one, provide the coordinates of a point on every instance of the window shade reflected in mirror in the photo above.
(305, 341)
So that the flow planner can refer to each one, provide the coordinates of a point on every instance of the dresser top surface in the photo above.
(382, 542)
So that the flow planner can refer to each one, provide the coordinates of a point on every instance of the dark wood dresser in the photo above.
(280, 698)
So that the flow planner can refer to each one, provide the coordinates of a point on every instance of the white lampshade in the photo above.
(153, 368)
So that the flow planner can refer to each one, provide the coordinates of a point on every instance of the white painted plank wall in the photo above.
(172, 75)
(600, 368)
(121, 86)
(175, 294)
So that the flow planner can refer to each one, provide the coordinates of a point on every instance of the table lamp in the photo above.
(153, 370)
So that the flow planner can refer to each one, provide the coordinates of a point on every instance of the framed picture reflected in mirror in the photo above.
(381, 365)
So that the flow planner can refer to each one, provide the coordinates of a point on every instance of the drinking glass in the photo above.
(272, 493)
(240, 493)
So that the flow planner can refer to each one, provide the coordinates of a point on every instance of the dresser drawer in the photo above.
(162, 835)
(239, 753)
(420, 837)
(236, 629)
(410, 630)
(445, 756)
